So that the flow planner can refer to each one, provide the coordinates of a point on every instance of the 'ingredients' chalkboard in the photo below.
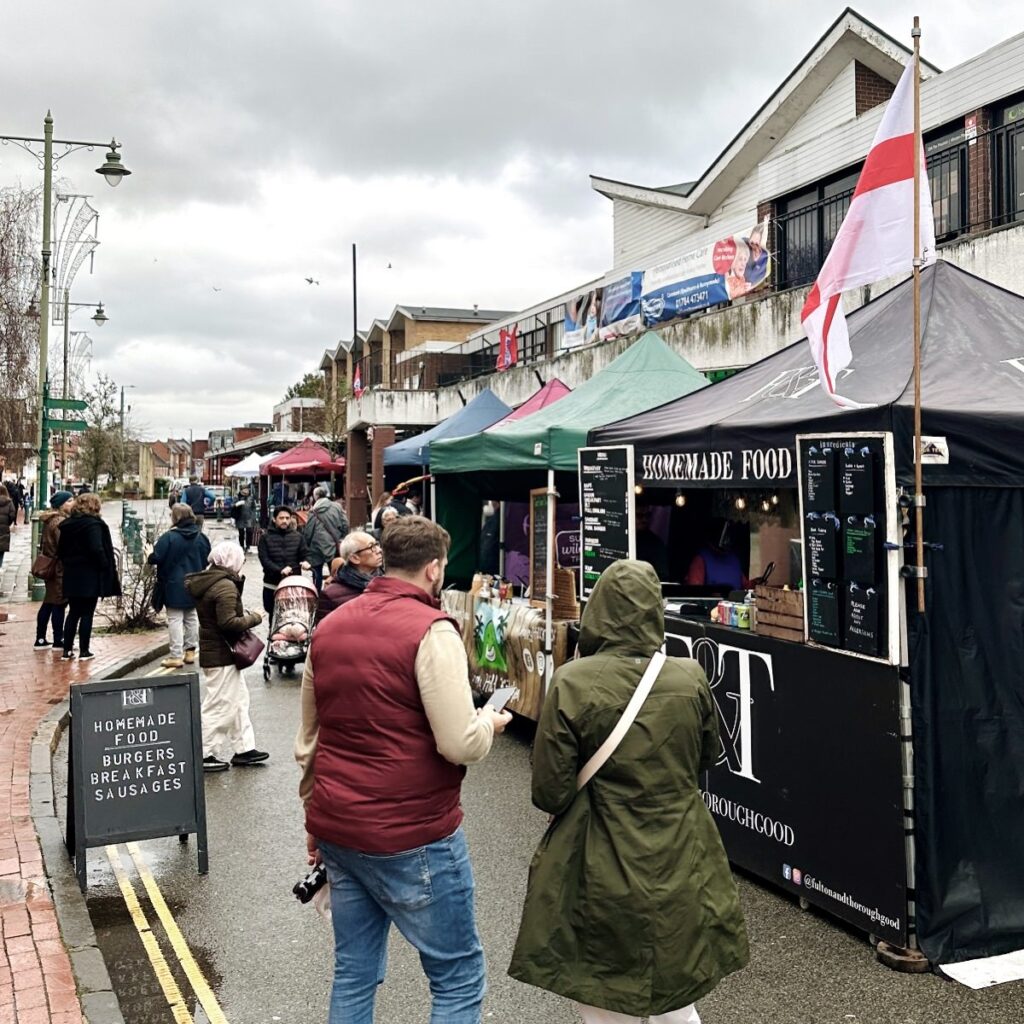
(136, 764)
(820, 480)
(823, 622)
(607, 531)
(821, 533)
(857, 481)
(861, 619)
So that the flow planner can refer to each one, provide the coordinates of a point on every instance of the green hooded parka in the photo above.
(631, 905)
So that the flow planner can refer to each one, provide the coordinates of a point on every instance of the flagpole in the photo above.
(918, 469)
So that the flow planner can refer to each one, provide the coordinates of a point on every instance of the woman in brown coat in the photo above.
(54, 604)
(217, 592)
(8, 514)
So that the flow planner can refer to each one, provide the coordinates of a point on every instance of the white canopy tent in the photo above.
(249, 467)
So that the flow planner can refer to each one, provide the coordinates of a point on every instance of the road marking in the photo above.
(156, 958)
(195, 976)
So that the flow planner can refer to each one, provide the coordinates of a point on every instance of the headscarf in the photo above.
(227, 555)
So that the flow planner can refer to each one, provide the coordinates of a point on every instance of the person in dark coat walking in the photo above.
(90, 571)
(359, 562)
(54, 603)
(195, 497)
(217, 592)
(17, 496)
(282, 552)
(631, 909)
(181, 550)
(326, 527)
(243, 511)
(8, 518)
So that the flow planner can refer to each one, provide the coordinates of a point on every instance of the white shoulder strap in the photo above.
(636, 702)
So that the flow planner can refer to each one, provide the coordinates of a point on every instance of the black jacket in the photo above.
(195, 497)
(8, 512)
(279, 548)
(85, 549)
(181, 550)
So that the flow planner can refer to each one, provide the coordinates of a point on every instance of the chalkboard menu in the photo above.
(542, 543)
(136, 764)
(844, 480)
(606, 511)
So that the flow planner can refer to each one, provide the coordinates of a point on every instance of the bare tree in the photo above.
(334, 428)
(19, 280)
(99, 450)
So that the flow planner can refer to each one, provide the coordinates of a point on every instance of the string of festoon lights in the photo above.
(764, 502)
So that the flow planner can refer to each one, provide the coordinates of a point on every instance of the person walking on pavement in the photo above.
(631, 909)
(282, 552)
(8, 519)
(180, 551)
(90, 571)
(195, 497)
(54, 603)
(17, 497)
(360, 560)
(243, 511)
(388, 724)
(227, 727)
(325, 529)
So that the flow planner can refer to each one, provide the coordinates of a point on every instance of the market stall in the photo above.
(533, 460)
(297, 470)
(872, 757)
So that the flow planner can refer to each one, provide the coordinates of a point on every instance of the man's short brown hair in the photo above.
(411, 542)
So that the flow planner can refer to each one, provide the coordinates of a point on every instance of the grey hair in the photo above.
(320, 492)
(352, 543)
(180, 512)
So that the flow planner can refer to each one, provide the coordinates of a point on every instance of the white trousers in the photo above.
(183, 627)
(594, 1015)
(227, 728)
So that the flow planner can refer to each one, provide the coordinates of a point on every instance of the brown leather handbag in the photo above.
(246, 650)
(44, 567)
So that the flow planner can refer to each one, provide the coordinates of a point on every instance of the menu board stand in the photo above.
(607, 511)
(135, 764)
(542, 545)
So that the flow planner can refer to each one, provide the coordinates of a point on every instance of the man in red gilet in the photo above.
(388, 724)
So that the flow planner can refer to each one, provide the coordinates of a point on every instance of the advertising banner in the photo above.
(713, 274)
(620, 307)
(582, 317)
(807, 793)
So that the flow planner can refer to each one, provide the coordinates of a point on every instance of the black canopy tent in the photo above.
(967, 652)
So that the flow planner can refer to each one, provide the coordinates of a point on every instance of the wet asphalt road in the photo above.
(269, 959)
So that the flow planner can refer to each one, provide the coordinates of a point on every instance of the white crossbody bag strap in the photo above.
(636, 702)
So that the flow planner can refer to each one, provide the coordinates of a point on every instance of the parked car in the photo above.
(215, 494)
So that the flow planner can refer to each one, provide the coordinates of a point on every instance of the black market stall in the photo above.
(818, 735)
(511, 459)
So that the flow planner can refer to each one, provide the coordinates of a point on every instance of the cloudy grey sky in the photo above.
(450, 138)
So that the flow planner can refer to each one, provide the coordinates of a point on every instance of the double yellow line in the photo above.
(196, 978)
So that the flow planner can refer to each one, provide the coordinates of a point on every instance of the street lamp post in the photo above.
(123, 386)
(113, 171)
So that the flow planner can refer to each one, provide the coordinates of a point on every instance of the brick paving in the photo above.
(36, 982)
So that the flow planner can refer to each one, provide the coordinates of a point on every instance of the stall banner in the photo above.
(582, 317)
(713, 274)
(808, 789)
(620, 307)
(490, 623)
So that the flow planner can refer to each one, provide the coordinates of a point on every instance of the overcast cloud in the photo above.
(450, 138)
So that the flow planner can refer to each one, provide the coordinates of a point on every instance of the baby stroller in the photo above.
(291, 625)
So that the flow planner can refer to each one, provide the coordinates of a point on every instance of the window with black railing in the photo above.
(1007, 155)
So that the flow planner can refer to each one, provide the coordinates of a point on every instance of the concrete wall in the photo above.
(722, 339)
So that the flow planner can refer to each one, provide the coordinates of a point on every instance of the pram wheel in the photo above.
(266, 671)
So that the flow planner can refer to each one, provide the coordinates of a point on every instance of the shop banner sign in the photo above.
(582, 319)
(714, 274)
(808, 789)
(620, 307)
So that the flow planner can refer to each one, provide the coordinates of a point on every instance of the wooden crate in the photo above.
(780, 613)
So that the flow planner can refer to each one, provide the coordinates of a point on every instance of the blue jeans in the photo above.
(428, 894)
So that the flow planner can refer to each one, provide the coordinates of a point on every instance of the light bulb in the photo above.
(638, 488)
(741, 503)
(774, 499)
(680, 500)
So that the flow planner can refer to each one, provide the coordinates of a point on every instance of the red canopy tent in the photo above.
(547, 395)
(306, 458)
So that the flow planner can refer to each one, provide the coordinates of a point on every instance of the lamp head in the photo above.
(99, 318)
(112, 169)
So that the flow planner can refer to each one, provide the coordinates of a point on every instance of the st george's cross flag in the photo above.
(876, 239)
(508, 348)
(357, 382)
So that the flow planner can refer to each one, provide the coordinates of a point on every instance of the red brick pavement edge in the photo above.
(37, 984)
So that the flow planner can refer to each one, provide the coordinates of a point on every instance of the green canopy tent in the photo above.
(506, 460)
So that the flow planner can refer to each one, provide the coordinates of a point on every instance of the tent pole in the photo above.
(549, 596)
(918, 468)
(500, 513)
(433, 498)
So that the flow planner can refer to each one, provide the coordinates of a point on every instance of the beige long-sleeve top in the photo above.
(442, 673)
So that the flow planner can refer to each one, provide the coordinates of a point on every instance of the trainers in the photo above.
(250, 757)
(58, 645)
(214, 764)
(85, 655)
(42, 644)
(172, 662)
(190, 657)
(67, 655)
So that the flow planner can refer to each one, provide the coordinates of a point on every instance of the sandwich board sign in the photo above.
(136, 764)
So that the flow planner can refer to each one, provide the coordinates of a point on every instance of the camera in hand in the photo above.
(305, 889)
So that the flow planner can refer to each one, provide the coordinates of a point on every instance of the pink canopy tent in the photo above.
(547, 395)
(307, 457)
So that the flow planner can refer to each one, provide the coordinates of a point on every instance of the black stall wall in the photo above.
(967, 681)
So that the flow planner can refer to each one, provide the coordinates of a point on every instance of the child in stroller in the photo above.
(291, 624)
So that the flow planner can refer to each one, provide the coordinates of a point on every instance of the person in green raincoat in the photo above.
(631, 908)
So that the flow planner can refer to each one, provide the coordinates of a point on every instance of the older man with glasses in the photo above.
(359, 561)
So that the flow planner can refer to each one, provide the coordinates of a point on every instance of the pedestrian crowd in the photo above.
(631, 910)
